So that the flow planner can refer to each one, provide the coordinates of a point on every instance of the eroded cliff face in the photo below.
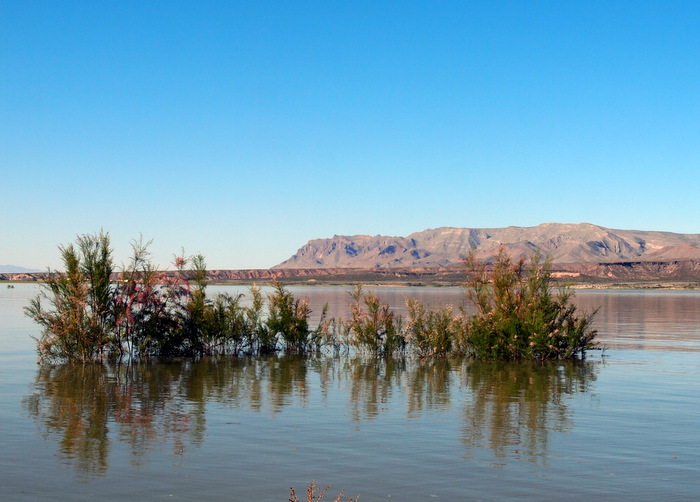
(564, 243)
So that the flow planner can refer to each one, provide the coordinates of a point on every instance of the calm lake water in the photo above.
(623, 426)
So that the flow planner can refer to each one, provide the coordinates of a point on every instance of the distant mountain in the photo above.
(13, 269)
(564, 243)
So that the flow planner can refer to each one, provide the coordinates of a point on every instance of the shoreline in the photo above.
(676, 285)
(678, 275)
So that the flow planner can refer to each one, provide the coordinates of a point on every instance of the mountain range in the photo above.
(13, 269)
(445, 246)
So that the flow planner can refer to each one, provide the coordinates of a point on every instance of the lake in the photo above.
(621, 425)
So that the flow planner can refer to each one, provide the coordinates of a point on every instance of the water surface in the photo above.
(619, 427)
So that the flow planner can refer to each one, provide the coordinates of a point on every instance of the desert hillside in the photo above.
(564, 243)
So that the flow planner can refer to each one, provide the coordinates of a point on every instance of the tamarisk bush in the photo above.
(89, 312)
(519, 316)
(288, 317)
(80, 319)
(373, 327)
(435, 332)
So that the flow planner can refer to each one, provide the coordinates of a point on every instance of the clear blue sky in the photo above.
(243, 129)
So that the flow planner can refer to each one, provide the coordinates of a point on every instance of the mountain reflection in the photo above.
(509, 408)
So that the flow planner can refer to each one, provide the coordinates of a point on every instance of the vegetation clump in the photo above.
(373, 327)
(435, 332)
(518, 316)
(82, 319)
(95, 313)
(288, 317)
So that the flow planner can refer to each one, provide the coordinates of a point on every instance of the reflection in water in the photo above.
(144, 406)
(74, 404)
(429, 384)
(372, 381)
(646, 320)
(515, 406)
(148, 403)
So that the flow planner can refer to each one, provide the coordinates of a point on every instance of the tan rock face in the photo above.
(564, 243)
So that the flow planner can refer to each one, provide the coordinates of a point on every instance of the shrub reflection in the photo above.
(513, 408)
(508, 408)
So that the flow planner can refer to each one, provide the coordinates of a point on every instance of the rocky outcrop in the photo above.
(22, 277)
(564, 243)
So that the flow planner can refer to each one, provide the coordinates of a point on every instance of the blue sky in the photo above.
(243, 129)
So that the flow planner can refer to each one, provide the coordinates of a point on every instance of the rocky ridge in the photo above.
(564, 243)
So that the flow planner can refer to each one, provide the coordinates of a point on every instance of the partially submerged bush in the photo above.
(146, 312)
(519, 316)
(288, 317)
(87, 313)
(435, 332)
(80, 319)
(226, 324)
(151, 308)
(373, 327)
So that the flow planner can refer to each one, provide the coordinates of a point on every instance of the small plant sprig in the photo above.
(313, 495)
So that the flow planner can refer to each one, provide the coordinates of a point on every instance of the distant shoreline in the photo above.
(680, 275)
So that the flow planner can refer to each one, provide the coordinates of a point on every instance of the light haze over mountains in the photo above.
(564, 243)
(13, 269)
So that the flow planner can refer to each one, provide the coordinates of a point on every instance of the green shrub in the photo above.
(373, 327)
(332, 333)
(151, 307)
(432, 333)
(197, 337)
(78, 324)
(262, 339)
(288, 317)
(518, 316)
(147, 312)
(226, 325)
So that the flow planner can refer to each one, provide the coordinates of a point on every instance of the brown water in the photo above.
(619, 427)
